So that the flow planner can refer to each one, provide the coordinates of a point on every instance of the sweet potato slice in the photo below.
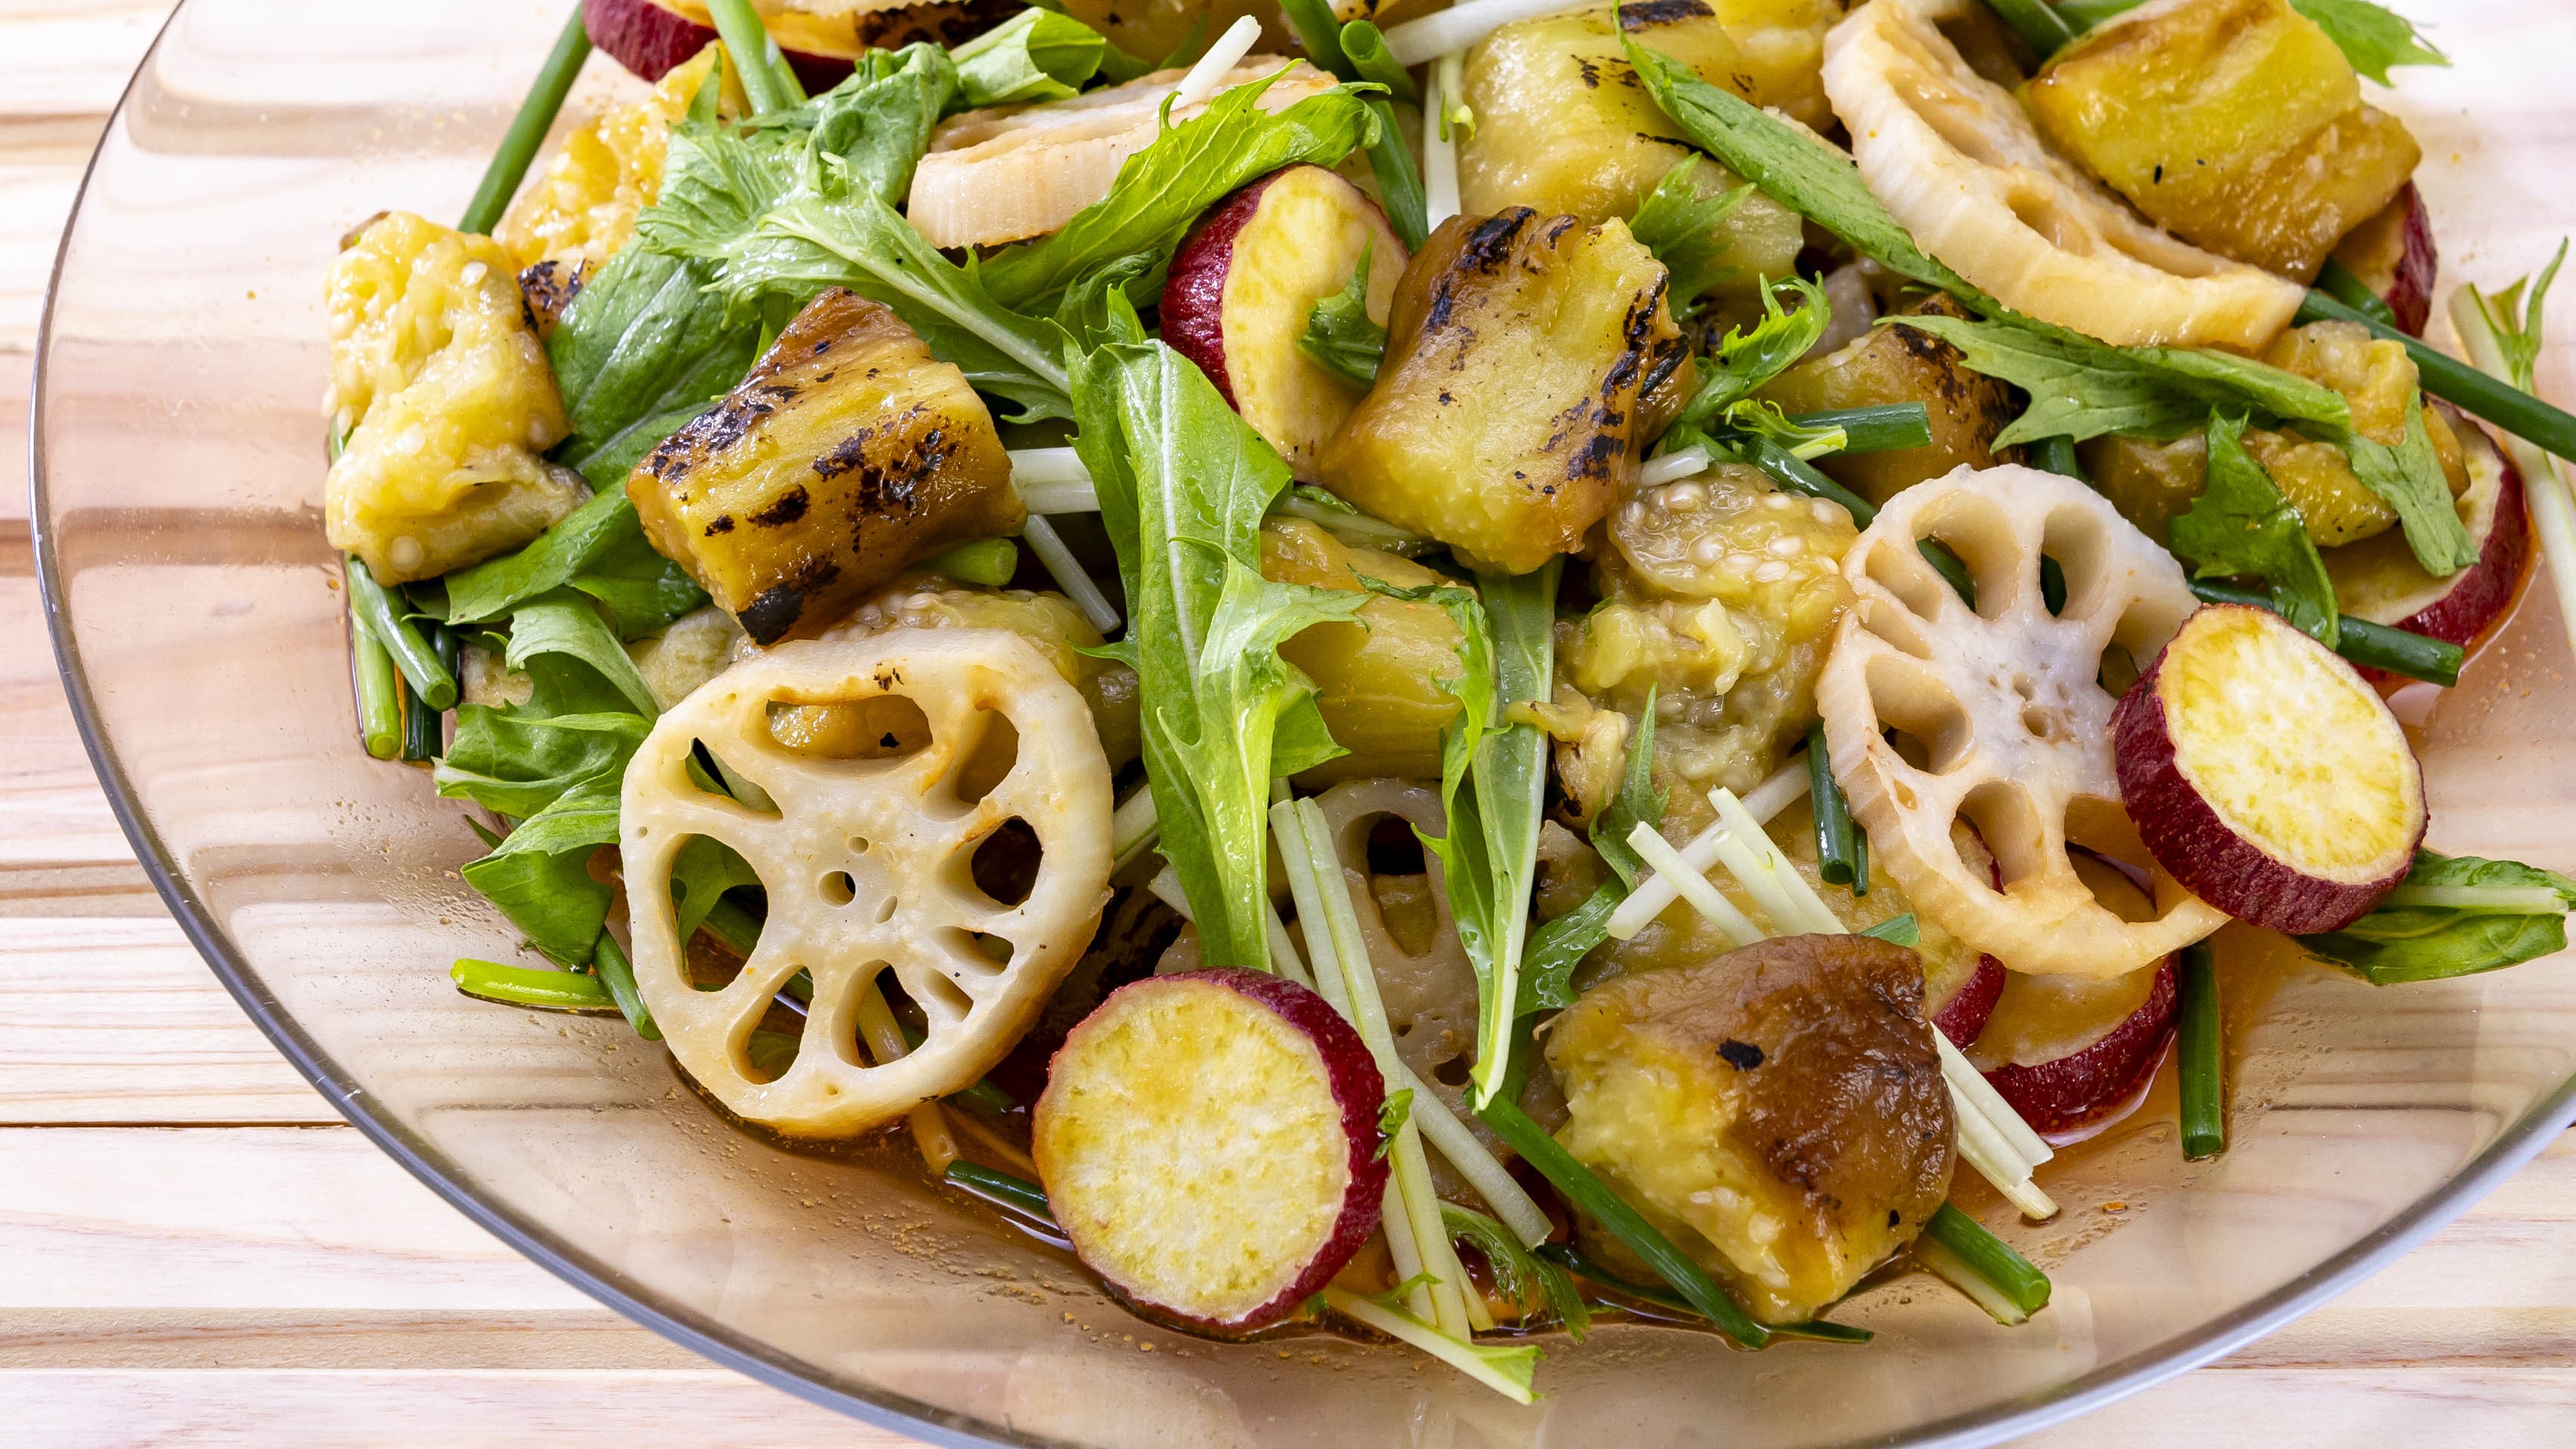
(2266, 775)
(1208, 1141)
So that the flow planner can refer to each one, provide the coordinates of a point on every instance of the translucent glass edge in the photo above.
(2512, 1148)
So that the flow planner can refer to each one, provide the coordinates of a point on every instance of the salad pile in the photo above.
(1543, 662)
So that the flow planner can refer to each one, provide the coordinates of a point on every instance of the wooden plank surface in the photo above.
(195, 1250)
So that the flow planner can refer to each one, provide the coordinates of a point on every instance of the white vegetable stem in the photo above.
(1053, 480)
(2544, 485)
(1992, 1136)
(1460, 26)
(1284, 961)
(1133, 825)
(1658, 891)
(1672, 467)
(1439, 152)
(1302, 823)
(886, 1043)
(1747, 850)
(1209, 73)
(1069, 573)
(1954, 1270)
(1474, 1360)
(1487, 1176)
(1692, 886)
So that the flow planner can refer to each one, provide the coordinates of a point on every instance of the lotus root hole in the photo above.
(2008, 821)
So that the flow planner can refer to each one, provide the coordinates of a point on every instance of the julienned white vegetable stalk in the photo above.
(1166, 886)
(1069, 573)
(1209, 73)
(1450, 1137)
(1460, 26)
(1509, 1370)
(1439, 151)
(1671, 467)
(2483, 326)
(1992, 1136)
(1133, 826)
(1053, 480)
(1415, 1236)
(1656, 893)
(885, 1043)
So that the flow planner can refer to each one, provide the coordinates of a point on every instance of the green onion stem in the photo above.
(2375, 646)
(2497, 401)
(1990, 1257)
(420, 666)
(1025, 1198)
(1799, 476)
(2036, 22)
(2337, 281)
(1592, 1196)
(1880, 428)
(982, 1093)
(768, 82)
(1399, 178)
(1842, 851)
(1573, 1261)
(424, 732)
(379, 690)
(2203, 1058)
(530, 986)
(617, 974)
(1365, 45)
(1951, 568)
(528, 129)
(987, 561)
(2057, 455)
(1321, 35)
(737, 928)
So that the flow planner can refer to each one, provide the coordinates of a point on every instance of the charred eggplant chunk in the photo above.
(1505, 417)
(1778, 1111)
(848, 453)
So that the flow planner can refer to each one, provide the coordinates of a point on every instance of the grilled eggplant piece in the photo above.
(849, 453)
(1505, 418)
(1900, 365)
(1378, 680)
(2235, 124)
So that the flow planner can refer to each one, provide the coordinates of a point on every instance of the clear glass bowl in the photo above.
(179, 460)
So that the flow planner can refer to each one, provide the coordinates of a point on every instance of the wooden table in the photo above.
(195, 1250)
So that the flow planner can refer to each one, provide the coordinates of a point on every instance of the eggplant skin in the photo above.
(848, 454)
(1505, 415)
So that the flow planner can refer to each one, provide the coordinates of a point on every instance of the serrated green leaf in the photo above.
(2241, 525)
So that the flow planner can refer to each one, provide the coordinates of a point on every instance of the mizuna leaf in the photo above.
(2242, 525)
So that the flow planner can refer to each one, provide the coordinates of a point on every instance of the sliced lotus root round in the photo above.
(869, 865)
(1430, 997)
(2003, 710)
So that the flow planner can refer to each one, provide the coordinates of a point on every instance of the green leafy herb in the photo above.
(540, 875)
(1743, 361)
(1183, 484)
(2454, 916)
(701, 872)
(1036, 55)
(2409, 478)
(1162, 189)
(1391, 1118)
(642, 350)
(2372, 38)
(1792, 165)
(598, 549)
(1540, 1288)
(515, 762)
(1762, 418)
(2518, 337)
(1339, 336)
(1680, 227)
(1904, 930)
(2241, 525)
(1488, 851)
(566, 623)
(1117, 65)
(1547, 972)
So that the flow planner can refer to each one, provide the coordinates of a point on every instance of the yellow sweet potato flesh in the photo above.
(848, 453)
(1563, 127)
(2236, 124)
(1504, 416)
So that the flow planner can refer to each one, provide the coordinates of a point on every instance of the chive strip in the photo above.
(982, 1093)
(530, 986)
(1949, 566)
(2376, 646)
(424, 732)
(1365, 45)
(2036, 22)
(1321, 35)
(617, 975)
(737, 928)
(2203, 1064)
(1399, 178)
(1881, 428)
(1572, 1260)
(528, 129)
(1842, 851)
(2497, 401)
(768, 82)
(420, 666)
(2337, 281)
(2057, 455)
(1592, 1196)
(379, 691)
(1990, 1258)
(987, 561)
(1798, 476)
(1025, 1198)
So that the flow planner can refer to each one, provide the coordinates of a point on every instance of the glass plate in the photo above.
(178, 468)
